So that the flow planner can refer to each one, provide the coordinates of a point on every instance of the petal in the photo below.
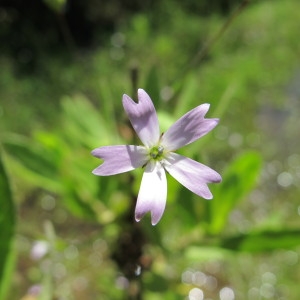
(192, 174)
(119, 159)
(153, 193)
(143, 118)
(188, 128)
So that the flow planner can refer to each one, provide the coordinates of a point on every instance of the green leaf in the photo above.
(155, 282)
(188, 96)
(239, 178)
(32, 155)
(152, 86)
(77, 204)
(7, 225)
(165, 120)
(83, 125)
(263, 241)
(205, 253)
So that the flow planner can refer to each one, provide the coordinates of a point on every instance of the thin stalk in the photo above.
(203, 51)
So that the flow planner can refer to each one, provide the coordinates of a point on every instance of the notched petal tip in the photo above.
(142, 93)
(96, 172)
(143, 117)
(214, 177)
(95, 153)
(189, 128)
(119, 159)
(217, 179)
(192, 174)
(126, 98)
(154, 220)
(205, 107)
(208, 196)
(154, 223)
(217, 120)
(138, 218)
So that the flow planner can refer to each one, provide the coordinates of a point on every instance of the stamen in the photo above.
(157, 152)
(160, 150)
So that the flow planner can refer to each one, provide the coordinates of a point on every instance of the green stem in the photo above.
(203, 51)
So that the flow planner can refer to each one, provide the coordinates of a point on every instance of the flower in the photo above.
(39, 250)
(157, 156)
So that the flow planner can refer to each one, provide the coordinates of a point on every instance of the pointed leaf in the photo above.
(35, 157)
(238, 180)
(263, 241)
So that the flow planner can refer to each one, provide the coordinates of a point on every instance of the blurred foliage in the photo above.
(238, 179)
(59, 161)
(81, 24)
(63, 72)
(57, 5)
(7, 225)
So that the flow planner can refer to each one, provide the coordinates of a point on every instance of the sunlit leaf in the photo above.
(33, 156)
(188, 96)
(165, 120)
(204, 253)
(263, 241)
(238, 179)
(83, 124)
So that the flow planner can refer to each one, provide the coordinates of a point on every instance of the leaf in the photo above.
(77, 204)
(156, 283)
(7, 225)
(165, 120)
(238, 180)
(33, 156)
(263, 241)
(205, 253)
(152, 86)
(83, 125)
(188, 96)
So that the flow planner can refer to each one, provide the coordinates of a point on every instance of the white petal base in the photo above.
(153, 193)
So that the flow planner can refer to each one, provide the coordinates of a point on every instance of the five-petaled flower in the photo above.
(157, 156)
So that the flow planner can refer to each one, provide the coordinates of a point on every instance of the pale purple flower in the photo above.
(39, 250)
(157, 156)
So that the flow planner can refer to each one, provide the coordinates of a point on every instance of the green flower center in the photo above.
(157, 152)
